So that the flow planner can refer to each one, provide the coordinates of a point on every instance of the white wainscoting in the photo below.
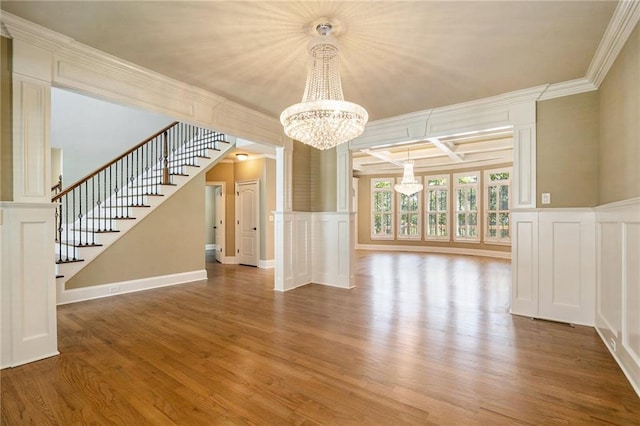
(332, 249)
(435, 249)
(524, 263)
(315, 248)
(29, 327)
(553, 264)
(292, 251)
(567, 265)
(618, 284)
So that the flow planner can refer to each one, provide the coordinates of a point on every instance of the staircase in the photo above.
(96, 211)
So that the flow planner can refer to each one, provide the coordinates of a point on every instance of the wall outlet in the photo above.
(546, 198)
(114, 289)
(613, 343)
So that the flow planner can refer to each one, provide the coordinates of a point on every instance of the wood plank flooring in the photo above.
(422, 339)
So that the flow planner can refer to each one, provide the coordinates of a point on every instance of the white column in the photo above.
(284, 275)
(345, 227)
(27, 230)
(524, 155)
(524, 217)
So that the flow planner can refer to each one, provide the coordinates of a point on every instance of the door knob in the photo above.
(255, 229)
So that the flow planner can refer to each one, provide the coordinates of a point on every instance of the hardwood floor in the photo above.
(422, 339)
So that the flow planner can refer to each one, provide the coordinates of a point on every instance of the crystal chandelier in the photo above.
(323, 119)
(409, 184)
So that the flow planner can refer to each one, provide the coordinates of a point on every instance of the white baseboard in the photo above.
(292, 288)
(229, 260)
(266, 264)
(432, 249)
(29, 360)
(634, 385)
(114, 289)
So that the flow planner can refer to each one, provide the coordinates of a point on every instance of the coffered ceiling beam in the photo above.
(447, 149)
(382, 155)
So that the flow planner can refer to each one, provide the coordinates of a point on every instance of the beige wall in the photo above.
(314, 177)
(619, 141)
(263, 170)
(324, 175)
(567, 150)
(168, 241)
(301, 177)
(364, 215)
(6, 126)
(266, 220)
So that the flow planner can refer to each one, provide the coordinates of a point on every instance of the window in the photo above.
(409, 216)
(437, 207)
(466, 203)
(382, 209)
(497, 203)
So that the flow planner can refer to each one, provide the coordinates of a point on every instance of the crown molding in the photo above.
(3, 31)
(622, 23)
(567, 88)
(76, 66)
(21, 29)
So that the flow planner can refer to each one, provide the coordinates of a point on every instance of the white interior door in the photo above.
(218, 223)
(247, 220)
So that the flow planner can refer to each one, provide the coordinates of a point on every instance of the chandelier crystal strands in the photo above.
(409, 184)
(323, 119)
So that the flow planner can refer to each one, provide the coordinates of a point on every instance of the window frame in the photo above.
(400, 212)
(487, 183)
(478, 210)
(447, 212)
(373, 190)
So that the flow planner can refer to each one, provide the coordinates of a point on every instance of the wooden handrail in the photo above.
(95, 172)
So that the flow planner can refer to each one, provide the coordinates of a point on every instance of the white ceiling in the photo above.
(396, 57)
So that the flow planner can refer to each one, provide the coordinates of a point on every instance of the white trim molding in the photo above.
(553, 264)
(315, 248)
(266, 264)
(123, 287)
(622, 23)
(439, 250)
(79, 67)
(617, 310)
(27, 271)
(567, 88)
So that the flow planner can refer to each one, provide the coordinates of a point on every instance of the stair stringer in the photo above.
(89, 253)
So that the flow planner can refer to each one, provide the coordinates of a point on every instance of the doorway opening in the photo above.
(215, 223)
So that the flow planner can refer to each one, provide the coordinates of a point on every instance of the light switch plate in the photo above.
(546, 198)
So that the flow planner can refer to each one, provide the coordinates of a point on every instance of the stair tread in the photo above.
(113, 218)
(184, 164)
(140, 195)
(77, 244)
(100, 231)
(155, 184)
(161, 176)
(123, 206)
(60, 261)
